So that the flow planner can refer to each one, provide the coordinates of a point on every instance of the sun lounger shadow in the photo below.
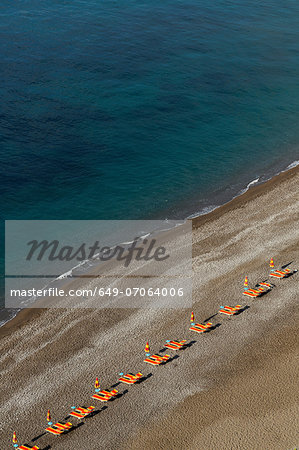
(119, 395)
(144, 378)
(74, 427)
(190, 344)
(171, 359)
(264, 293)
(213, 327)
(242, 309)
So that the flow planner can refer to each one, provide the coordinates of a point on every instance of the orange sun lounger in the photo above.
(280, 273)
(230, 310)
(259, 290)
(80, 412)
(25, 447)
(129, 378)
(105, 396)
(201, 328)
(175, 345)
(156, 360)
(59, 428)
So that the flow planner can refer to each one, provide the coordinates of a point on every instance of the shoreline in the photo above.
(250, 193)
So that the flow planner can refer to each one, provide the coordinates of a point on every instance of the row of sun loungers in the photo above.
(80, 413)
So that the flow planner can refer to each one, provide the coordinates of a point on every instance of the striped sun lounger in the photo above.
(259, 290)
(105, 396)
(81, 412)
(59, 428)
(230, 310)
(175, 345)
(129, 378)
(283, 273)
(200, 327)
(156, 360)
(25, 447)
(256, 292)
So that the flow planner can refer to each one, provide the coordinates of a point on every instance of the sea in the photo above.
(143, 109)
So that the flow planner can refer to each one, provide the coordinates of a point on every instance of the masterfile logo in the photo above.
(98, 264)
(139, 249)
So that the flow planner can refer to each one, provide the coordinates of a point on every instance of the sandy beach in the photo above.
(232, 388)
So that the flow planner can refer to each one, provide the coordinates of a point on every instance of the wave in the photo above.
(292, 165)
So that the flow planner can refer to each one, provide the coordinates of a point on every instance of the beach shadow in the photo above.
(242, 310)
(119, 395)
(74, 427)
(46, 448)
(209, 318)
(144, 378)
(190, 344)
(38, 437)
(286, 265)
(217, 325)
(170, 360)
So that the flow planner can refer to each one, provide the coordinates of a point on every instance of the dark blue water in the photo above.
(143, 109)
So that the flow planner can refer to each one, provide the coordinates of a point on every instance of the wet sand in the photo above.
(233, 388)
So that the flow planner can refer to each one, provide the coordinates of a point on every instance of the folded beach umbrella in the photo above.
(271, 263)
(97, 384)
(246, 282)
(49, 420)
(147, 348)
(14, 439)
(192, 317)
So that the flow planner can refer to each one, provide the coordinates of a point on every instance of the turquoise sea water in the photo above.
(138, 109)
